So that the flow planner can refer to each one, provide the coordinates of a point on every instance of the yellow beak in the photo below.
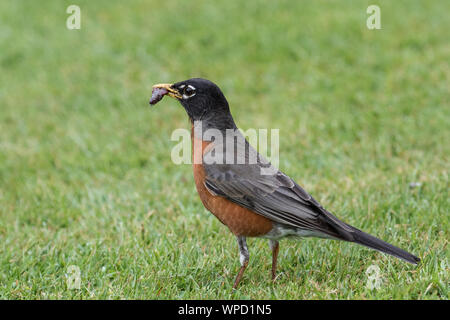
(168, 86)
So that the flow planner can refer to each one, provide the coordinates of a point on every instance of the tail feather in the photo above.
(372, 242)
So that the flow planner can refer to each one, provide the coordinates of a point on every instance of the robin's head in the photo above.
(201, 98)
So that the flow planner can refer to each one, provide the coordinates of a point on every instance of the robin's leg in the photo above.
(274, 245)
(243, 258)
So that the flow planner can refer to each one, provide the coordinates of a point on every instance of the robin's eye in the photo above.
(188, 91)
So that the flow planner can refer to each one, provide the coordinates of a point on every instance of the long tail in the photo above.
(372, 242)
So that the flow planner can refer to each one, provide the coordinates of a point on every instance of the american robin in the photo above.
(243, 190)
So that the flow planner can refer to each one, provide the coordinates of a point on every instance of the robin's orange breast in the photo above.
(241, 221)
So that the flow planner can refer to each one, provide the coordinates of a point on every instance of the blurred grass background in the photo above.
(85, 172)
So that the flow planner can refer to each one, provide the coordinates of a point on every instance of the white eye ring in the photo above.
(185, 96)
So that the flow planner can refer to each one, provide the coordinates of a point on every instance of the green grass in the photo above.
(85, 172)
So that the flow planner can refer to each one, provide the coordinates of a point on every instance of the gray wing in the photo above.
(275, 196)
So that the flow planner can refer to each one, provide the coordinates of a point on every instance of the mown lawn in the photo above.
(86, 177)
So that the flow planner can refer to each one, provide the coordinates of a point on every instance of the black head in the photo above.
(202, 99)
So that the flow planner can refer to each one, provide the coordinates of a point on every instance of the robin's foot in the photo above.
(274, 245)
(243, 257)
